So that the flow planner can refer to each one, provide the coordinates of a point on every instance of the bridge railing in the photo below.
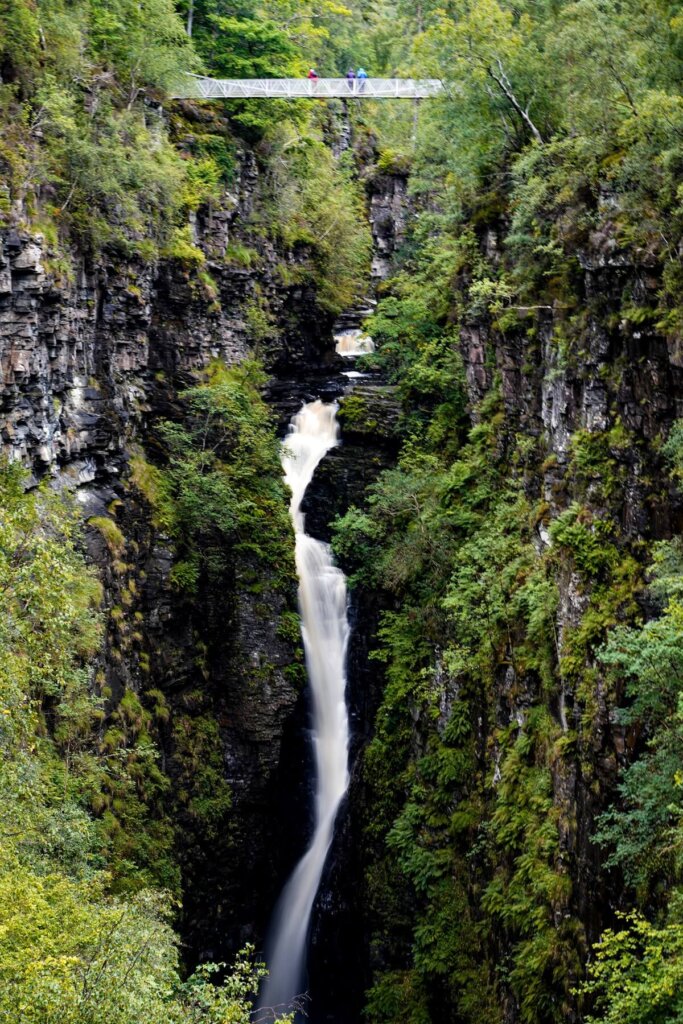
(201, 87)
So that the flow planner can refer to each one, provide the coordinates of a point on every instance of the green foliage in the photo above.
(201, 790)
(19, 40)
(391, 162)
(71, 950)
(584, 536)
(530, 891)
(49, 626)
(673, 449)
(597, 461)
(147, 479)
(637, 974)
(84, 145)
(261, 323)
(242, 255)
(71, 954)
(180, 247)
(144, 43)
(568, 117)
(319, 212)
(241, 41)
(554, 147)
(453, 540)
(221, 494)
(116, 962)
(557, 137)
(204, 1002)
(355, 415)
(110, 531)
(75, 136)
(643, 833)
(511, 181)
(398, 997)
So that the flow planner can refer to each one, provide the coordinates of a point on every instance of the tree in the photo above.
(637, 974)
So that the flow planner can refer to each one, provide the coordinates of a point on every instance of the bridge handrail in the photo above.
(203, 87)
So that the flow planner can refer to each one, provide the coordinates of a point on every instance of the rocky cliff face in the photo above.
(90, 356)
(566, 379)
(81, 348)
(390, 211)
(618, 382)
(591, 393)
(92, 353)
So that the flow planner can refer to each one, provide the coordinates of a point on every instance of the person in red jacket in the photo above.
(313, 75)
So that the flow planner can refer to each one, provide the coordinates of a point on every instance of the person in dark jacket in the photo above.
(351, 77)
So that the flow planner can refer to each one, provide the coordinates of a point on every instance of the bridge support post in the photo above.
(416, 112)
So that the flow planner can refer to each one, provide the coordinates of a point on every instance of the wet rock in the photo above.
(389, 212)
(88, 364)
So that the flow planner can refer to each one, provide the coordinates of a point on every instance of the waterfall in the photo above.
(353, 342)
(325, 631)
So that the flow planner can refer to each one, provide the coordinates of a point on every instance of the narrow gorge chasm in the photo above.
(341, 512)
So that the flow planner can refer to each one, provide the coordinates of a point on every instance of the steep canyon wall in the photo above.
(91, 360)
(94, 353)
(484, 887)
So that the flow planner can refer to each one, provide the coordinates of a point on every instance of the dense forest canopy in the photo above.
(555, 148)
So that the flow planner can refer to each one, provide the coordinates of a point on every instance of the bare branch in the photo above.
(505, 86)
(269, 1014)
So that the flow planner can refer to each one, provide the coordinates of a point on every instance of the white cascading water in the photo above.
(325, 631)
(353, 343)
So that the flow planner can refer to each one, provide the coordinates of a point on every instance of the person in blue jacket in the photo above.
(361, 75)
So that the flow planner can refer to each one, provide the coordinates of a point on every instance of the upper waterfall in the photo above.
(353, 342)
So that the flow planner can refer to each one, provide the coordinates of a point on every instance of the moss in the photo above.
(289, 626)
(209, 289)
(241, 255)
(224, 500)
(295, 674)
(182, 249)
(292, 275)
(390, 161)
(357, 415)
(260, 321)
(111, 533)
(147, 479)
(201, 790)
(586, 536)
(597, 461)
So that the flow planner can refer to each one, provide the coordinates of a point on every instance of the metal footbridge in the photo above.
(202, 88)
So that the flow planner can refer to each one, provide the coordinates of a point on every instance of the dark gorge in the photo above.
(91, 368)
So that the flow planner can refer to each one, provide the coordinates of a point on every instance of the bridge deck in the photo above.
(200, 87)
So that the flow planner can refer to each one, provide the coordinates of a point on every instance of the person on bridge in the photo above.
(351, 77)
(313, 75)
(361, 75)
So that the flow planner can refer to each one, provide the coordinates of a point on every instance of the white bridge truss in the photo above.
(199, 87)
